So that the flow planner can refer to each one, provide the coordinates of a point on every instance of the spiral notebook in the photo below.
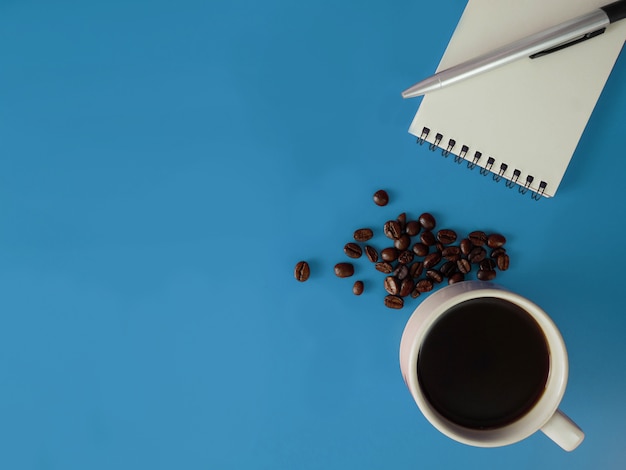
(520, 123)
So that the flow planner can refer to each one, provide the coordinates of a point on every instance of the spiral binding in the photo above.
(472, 162)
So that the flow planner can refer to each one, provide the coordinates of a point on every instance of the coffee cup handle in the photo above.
(563, 431)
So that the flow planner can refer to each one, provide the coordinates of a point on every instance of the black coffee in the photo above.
(484, 363)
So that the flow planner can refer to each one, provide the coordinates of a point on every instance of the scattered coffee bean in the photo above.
(357, 288)
(456, 277)
(434, 275)
(402, 221)
(406, 287)
(477, 254)
(432, 260)
(415, 294)
(488, 264)
(384, 267)
(392, 229)
(381, 198)
(405, 257)
(448, 268)
(416, 269)
(401, 272)
(424, 285)
(478, 238)
(392, 285)
(353, 250)
(363, 234)
(495, 240)
(420, 249)
(428, 238)
(393, 301)
(486, 275)
(427, 221)
(302, 271)
(463, 266)
(371, 253)
(466, 246)
(446, 236)
(389, 254)
(503, 262)
(344, 269)
(497, 252)
(403, 242)
(451, 253)
(412, 228)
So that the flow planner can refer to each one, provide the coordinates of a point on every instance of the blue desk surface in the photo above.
(164, 166)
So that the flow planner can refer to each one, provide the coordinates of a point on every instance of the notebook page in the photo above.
(529, 114)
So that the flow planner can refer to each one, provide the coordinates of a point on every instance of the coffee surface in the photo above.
(484, 363)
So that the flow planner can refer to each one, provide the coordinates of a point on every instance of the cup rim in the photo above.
(435, 306)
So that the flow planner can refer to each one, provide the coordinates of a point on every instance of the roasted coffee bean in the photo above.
(448, 268)
(451, 253)
(392, 229)
(344, 269)
(403, 242)
(406, 287)
(401, 272)
(392, 285)
(371, 253)
(446, 236)
(432, 260)
(495, 240)
(381, 198)
(415, 294)
(464, 266)
(412, 228)
(456, 277)
(434, 275)
(363, 234)
(478, 238)
(503, 262)
(497, 252)
(488, 264)
(384, 267)
(477, 254)
(393, 301)
(302, 271)
(486, 274)
(405, 257)
(427, 221)
(389, 254)
(439, 247)
(424, 285)
(466, 246)
(402, 220)
(428, 238)
(357, 288)
(416, 269)
(353, 250)
(420, 249)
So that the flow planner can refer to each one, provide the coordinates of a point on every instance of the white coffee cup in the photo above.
(544, 414)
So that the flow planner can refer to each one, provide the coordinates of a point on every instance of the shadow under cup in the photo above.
(483, 364)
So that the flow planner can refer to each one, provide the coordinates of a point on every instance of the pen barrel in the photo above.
(615, 11)
(526, 47)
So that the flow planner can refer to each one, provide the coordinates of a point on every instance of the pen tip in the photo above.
(409, 94)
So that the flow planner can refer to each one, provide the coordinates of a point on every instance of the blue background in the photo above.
(165, 164)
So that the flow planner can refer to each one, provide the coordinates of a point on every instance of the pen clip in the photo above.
(590, 35)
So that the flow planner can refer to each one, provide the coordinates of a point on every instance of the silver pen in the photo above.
(539, 44)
